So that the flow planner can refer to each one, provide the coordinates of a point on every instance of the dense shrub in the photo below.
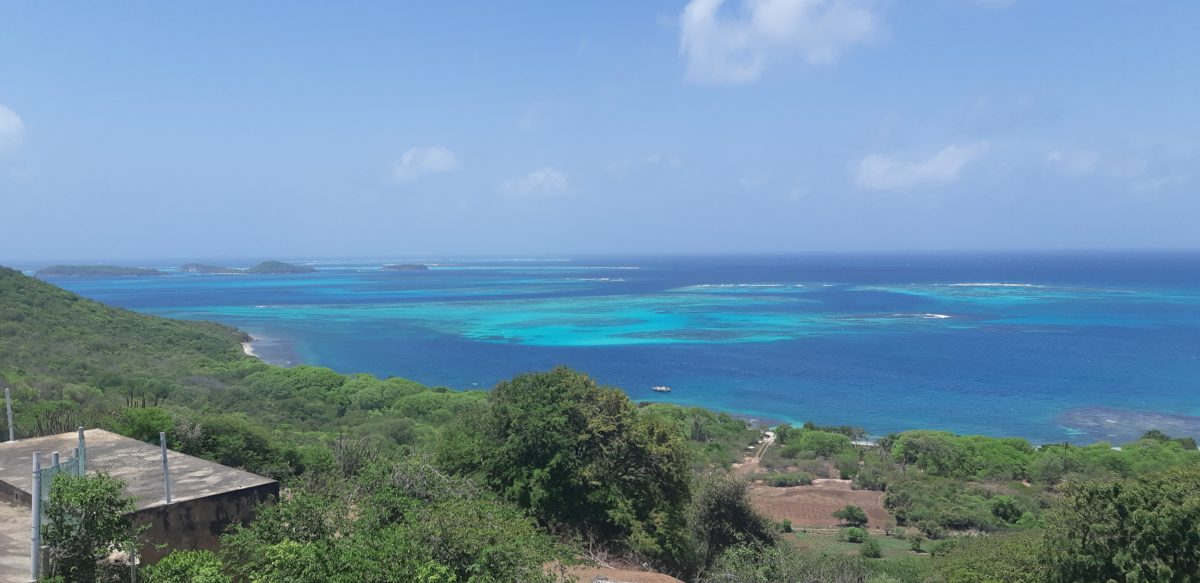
(871, 549)
(786, 480)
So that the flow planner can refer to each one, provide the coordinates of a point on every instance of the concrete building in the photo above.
(206, 497)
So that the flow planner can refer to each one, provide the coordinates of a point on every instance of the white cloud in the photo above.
(1153, 184)
(736, 48)
(879, 172)
(416, 162)
(1073, 163)
(622, 166)
(12, 130)
(544, 181)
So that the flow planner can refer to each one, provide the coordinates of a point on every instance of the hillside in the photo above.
(53, 337)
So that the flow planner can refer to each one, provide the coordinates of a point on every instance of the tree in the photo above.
(852, 515)
(579, 455)
(722, 516)
(88, 520)
(1142, 529)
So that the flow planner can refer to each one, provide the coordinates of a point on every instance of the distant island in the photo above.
(279, 267)
(405, 267)
(95, 270)
(209, 269)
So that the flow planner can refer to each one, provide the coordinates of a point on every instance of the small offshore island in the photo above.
(264, 268)
(95, 271)
(405, 267)
(279, 267)
(208, 269)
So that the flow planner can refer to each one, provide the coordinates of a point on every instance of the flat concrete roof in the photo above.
(136, 462)
(15, 522)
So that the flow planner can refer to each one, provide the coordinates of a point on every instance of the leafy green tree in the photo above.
(852, 515)
(187, 567)
(722, 516)
(823, 443)
(88, 519)
(579, 455)
(1141, 529)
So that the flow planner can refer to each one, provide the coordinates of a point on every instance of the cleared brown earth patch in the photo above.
(611, 575)
(813, 506)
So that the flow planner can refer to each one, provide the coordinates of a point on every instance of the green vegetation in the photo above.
(187, 567)
(1007, 558)
(1142, 529)
(389, 520)
(94, 270)
(852, 515)
(389, 480)
(279, 267)
(578, 455)
(87, 520)
(786, 479)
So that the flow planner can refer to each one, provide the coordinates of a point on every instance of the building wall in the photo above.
(200, 522)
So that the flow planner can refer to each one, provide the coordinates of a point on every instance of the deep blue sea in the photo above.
(1051, 347)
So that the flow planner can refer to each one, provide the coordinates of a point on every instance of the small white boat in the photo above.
(661, 389)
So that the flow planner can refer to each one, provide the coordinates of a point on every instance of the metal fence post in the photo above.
(35, 535)
(82, 456)
(8, 405)
(162, 440)
(78, 468)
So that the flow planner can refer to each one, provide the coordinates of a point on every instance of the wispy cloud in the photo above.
(417, 162)
(623, 166)
(880, 172)
(542, 182)
(736, 48)
(12, 130)
(1074, 163)
(1154, 184)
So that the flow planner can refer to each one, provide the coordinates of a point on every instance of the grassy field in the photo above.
(893, 548)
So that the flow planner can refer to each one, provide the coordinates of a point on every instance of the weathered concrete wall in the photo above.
(200, 522)
(14, 495)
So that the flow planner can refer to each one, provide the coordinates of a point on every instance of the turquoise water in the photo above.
(1050, 347)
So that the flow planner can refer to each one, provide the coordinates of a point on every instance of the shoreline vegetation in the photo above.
(386, 475)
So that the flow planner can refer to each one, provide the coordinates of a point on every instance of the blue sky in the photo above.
(142, 130)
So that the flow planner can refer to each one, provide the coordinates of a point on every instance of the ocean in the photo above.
(1076, 347)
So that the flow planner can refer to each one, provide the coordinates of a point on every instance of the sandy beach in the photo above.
(248, 348)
